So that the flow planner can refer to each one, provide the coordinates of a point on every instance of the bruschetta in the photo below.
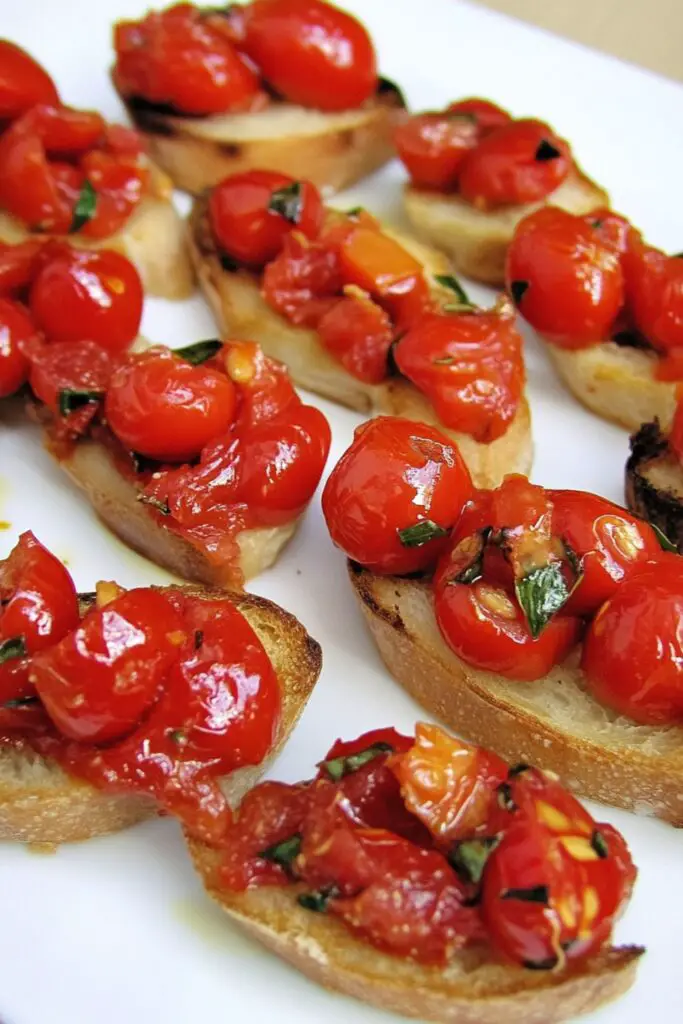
(418, 900)
(360, 316)
(475, 172)
(281, 84)
(654, 479)
(544, 623)
(609, 308)
(66, 172)
(180, 452)
(83, 755)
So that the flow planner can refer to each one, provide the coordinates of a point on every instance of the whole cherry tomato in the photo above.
(16, 329)
(520, 162)
(80, 367)
(608, 543)
(161, 406)
(98, 681)
(80, 295)
(566, 282)
(486, 115)
(358, 332)
(433, 146)
(178, 57)
(23, 82)
(470, 366)
(311, 52)
(394, 494)
(654, 292)
(676, 435)
(633, 651)
(251, 214)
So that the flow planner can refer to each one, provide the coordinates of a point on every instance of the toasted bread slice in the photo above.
(153, 239)
(617, 382)
(472, 989)
(41, 803)
(553, 723)
(477, 240)
(242, 312)
(654, 483)
(331, 150)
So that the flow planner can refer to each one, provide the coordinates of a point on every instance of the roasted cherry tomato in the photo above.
(266, 389)
(566, 282)
(486, 115)
(88, 295)
(16, 329)
(311, 53)
(23, 82)
(99, 680)
(28, 190)
(163, 407)
(180, 58)
(470, 366)
(394, 494)
(304, 281)
(251, 214)
(18, 265)
(520, 162)
(654, 292)
(358, 332)
(612, 230)
(433, 146)
(70, 375)
(607, 541)
(633, 651)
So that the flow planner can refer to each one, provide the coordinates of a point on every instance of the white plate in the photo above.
(119, 929)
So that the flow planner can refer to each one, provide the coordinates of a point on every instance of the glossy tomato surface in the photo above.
(16, 329)
(23, 82)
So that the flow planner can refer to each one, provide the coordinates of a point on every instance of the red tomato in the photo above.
(609, 543)
(18, 264)
(487, 115)
(433, 146)
(470, 367)
(177, 57)
(676, 435)
(265, 387)
(385, 270)
(23, 82)
(393, 495)
(358, 332)
(520, 162)
(27, 188)
(633, 651)
(613, 231)
(63, 131)
(654, 291)
(16, 329)
(120, 185)
(94, 295)
(311, 53)
(304, 281)
(244, 215)
(81, 366)
(166, 409)
(564, 280)
(99, 680)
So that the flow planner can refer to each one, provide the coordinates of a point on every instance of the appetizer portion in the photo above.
(654, 478)
(545, 623)
(475, 172)
(610, 308)
(363, 317)
(202, 458)
(117, 704)
(291, 85)
(428, 877)
(66, 172)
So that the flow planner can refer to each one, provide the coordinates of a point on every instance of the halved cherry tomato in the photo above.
(303, 282)
(94, 295)
(385, 270)
(566, 282)
(177, 57)
(433, 146)
(16, 329)
(470, 366)
(654, 292)
(487, 115)
(311, 52)
(77, 366)
(251, 214)
(633, 651)
(98, 681)
(23, 82)
(358, 332)
(163, 407)
(18, 265)
(676, 434)
(394, 494)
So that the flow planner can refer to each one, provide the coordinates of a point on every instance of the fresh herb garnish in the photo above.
(599, 844)
(20, 702)
(534, 894)
(541, 593)
(546, 151)
(518, 290)
(287, 202)
(355, 211)
(84, 210)
(469, 857)
(317, 901)
(177, 736)
(200, 351)
(421, 533)
(13, 647)
(283, 853)
(452, 283)
(664, 542)
(346, 764)
(71, 399)
(160, 506)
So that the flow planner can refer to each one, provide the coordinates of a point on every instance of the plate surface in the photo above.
(119, 929)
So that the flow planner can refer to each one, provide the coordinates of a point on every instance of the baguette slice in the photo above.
(654, 483)
(331, 150)
(553, 723)
(242, 312)
(617, 382)
(472, 989)
(477, 240)
(153, 239)
(41, 803)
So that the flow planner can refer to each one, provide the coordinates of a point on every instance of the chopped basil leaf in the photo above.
(177, 736)
(84, 210)
(518, 290)
(287, 202)
(469, 857)
(20, 702)
(346, 764)
(546, 151)
(421, 533)
(355, 211)
(198, 638)
(534, 894)
(283, 853)
(599, 844)
(664, 542)
(541, 593)
(452, 283)
(160, 506)
(71, 399)
(200, 351)
(597, 223)
(14, 647)
(317, 901)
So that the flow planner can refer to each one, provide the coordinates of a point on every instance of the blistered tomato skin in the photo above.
(16, 329)
(23, 82)
(433, 147)
(70, 365)
(633, 650)
(394, 494)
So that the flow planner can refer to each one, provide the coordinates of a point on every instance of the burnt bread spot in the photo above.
(232, 149)
(662, 508)
(152, 117)
(391, 617)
